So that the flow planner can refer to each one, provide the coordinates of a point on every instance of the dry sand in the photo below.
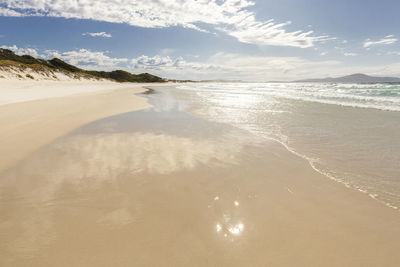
(154, 198)
(15, 91)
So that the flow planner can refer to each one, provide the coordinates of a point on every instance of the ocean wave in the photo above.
(376, 96)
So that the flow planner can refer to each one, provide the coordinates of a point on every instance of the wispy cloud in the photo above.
(167, 51)
(251, 31)
(233, 17)
(348, 54)
(97, 34)
(390, 39)
(396, 53)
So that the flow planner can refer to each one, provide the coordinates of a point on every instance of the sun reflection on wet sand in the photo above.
(231, 224)
(236, 229)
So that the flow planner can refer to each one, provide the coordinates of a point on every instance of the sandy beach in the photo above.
(237, 133)
(162, 187)
(33, 114)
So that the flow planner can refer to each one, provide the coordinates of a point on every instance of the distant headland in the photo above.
(354, 78)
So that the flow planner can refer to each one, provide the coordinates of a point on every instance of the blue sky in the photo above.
(210, 39)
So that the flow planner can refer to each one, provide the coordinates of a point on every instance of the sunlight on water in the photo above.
(348, 132)
(378, 96)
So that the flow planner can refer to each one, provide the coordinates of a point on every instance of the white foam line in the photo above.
(348, 185)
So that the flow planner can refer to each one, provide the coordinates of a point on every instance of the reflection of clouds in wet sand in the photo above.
(117, 217)
(167, 103)
(101, 155)
(64, 176)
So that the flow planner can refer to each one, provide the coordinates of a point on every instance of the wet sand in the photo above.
(161, 187)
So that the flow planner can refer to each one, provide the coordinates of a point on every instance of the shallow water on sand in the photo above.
(161, 187)
(349, 132)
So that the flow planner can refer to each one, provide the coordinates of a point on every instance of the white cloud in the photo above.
(251, 31)
(350, 54)
(165, 64)
(9, 12)
(229, 66)
(22, 51)
(87, 59)
(98, 34)
(234, 17)
(82, 58)
(390, 39)
(153, 63)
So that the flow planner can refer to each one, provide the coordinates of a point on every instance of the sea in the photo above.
(348, 132)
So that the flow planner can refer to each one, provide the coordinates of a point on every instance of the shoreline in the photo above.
(331, 177)
(186, 182)
(314, 164)
(310, 163)
(28, 125)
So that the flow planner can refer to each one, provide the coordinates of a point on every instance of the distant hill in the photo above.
(9, 59)
(354, 78)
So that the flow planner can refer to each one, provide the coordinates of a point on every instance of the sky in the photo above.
(250, 40)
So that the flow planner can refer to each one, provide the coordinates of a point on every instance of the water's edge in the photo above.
(311, 161)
